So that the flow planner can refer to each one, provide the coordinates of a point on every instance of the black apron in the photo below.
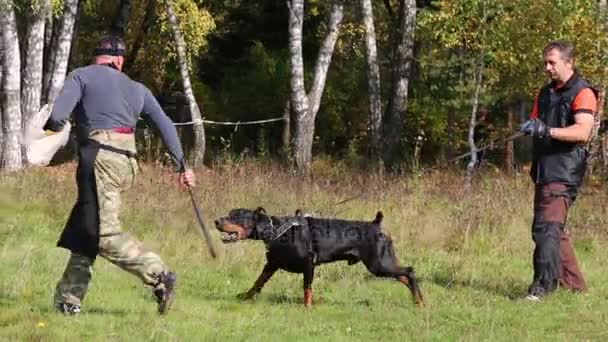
(81, 232)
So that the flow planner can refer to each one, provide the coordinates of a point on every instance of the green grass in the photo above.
(472, 252)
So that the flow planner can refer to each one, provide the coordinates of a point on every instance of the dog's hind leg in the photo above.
(383, 263)
(408, 278)
(405, 275)
(267, 272)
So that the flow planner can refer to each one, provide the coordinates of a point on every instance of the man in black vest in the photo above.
(561, 123)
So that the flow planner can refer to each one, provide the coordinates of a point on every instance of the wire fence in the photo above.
(227, 123)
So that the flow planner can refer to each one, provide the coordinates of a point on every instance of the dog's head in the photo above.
(243, 224)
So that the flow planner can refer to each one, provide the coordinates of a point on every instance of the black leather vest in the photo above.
(559, 161)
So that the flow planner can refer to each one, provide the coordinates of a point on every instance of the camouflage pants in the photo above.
(114, 174)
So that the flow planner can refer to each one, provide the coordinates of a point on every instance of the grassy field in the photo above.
(472, 252)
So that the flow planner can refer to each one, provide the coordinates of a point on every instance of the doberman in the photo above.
(299, 243)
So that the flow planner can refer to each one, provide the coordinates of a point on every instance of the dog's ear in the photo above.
(378, 218)
(299, 212)
(260, 211)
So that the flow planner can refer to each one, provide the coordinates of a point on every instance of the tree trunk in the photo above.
(121, 20)
(306, 106)
(510, 145)
(605, 152)
(2, 51)
(451, 131)
(1, 99)
(286, 135)
(324, 57)
(11, 85)
(48, 28)
(471, 166)
(64, 42)
(1, 127)
(148, 22)
(373, 79)
(604, 138)
(603, 141)
(75, 32)
(389, 8)
(199, 131)
(397, 106)
(50, 50)
(597, 143)
(298, 98)
(31, 88)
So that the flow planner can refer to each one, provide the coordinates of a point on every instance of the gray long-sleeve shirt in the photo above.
(102, 97)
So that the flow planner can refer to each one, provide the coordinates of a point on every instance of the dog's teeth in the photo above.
(229, 237)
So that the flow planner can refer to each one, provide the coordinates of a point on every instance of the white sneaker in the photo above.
(533, 298)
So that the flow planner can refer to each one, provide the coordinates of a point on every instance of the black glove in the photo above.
(535, 128)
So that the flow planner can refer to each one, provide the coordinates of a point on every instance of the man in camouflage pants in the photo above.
(107, 105)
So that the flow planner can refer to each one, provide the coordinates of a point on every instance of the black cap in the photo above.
(116, 46)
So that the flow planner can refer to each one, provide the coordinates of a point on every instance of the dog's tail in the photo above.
(378, 218)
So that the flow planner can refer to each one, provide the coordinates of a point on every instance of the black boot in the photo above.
(68, 309)
(164, 291)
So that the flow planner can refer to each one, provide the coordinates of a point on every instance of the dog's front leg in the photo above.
(309, 274)
(267, 272)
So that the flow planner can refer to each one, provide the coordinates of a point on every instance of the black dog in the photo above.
(298, 243)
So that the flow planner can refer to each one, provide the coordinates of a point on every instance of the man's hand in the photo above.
(187, 179)
(535, 128)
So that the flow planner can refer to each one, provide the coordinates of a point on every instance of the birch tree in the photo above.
(11, 85)
(62, 53)
(199, 131)
(31, 89)
(22, 83)
(373, 78)
(478, 77)
(306, 105)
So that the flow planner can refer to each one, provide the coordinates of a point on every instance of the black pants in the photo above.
(554, 260)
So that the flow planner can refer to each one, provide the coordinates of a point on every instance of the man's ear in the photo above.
(119, 61)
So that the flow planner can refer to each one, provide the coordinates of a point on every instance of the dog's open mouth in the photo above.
(230, 237)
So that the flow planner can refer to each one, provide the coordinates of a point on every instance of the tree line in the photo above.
(395, 83)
